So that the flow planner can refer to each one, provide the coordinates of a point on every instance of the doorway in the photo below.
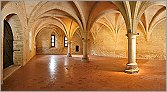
(7, 46)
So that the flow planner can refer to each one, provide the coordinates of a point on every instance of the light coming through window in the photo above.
(65, 42)
(52, 40)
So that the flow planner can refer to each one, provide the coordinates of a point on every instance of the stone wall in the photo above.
(106, 44)
(155, 47)
(43, 43)
(18, 39)
(77, 41)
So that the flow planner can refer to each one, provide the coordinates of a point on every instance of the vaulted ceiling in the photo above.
(70, 16)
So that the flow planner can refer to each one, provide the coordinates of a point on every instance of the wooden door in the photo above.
(7, 46)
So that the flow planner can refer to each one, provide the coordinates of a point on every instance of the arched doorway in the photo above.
(12, 45)
(8, 46)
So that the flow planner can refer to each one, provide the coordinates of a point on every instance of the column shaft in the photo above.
(85, 57)
(132, 49)
(131, 66)
(69, 49)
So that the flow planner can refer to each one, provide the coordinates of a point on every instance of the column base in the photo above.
(69, 55)
(132, 68)
(85, 59)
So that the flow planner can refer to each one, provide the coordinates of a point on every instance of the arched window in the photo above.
(65, 42)
(52, 40)
(77, 48)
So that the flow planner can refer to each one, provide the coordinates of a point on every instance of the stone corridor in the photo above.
(57, 72)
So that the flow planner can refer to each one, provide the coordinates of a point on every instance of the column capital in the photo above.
(132, 35)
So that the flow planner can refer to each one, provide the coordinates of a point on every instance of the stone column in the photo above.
(131, 66)
(69, 49)
(85, 57)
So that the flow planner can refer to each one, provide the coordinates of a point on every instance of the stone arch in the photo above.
(73, 29)
(81, 14)
(17, 30)
(106, 18)
(16, 26)
(145, 5)
(49, 21)
(116, 8)
(15, 8)
(99, 11)
(156, 16)
(55, 21)
(45, 34)
(148, 4)
(101, 15)
(18, 8)
(50, 26)
(68, 10)
(148, 23)
(124, 10)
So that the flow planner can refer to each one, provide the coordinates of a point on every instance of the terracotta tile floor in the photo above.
(56, 72)
(9, 70)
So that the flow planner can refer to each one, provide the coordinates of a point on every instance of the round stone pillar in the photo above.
(131, 66)
(69, 49)
(85, 57)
